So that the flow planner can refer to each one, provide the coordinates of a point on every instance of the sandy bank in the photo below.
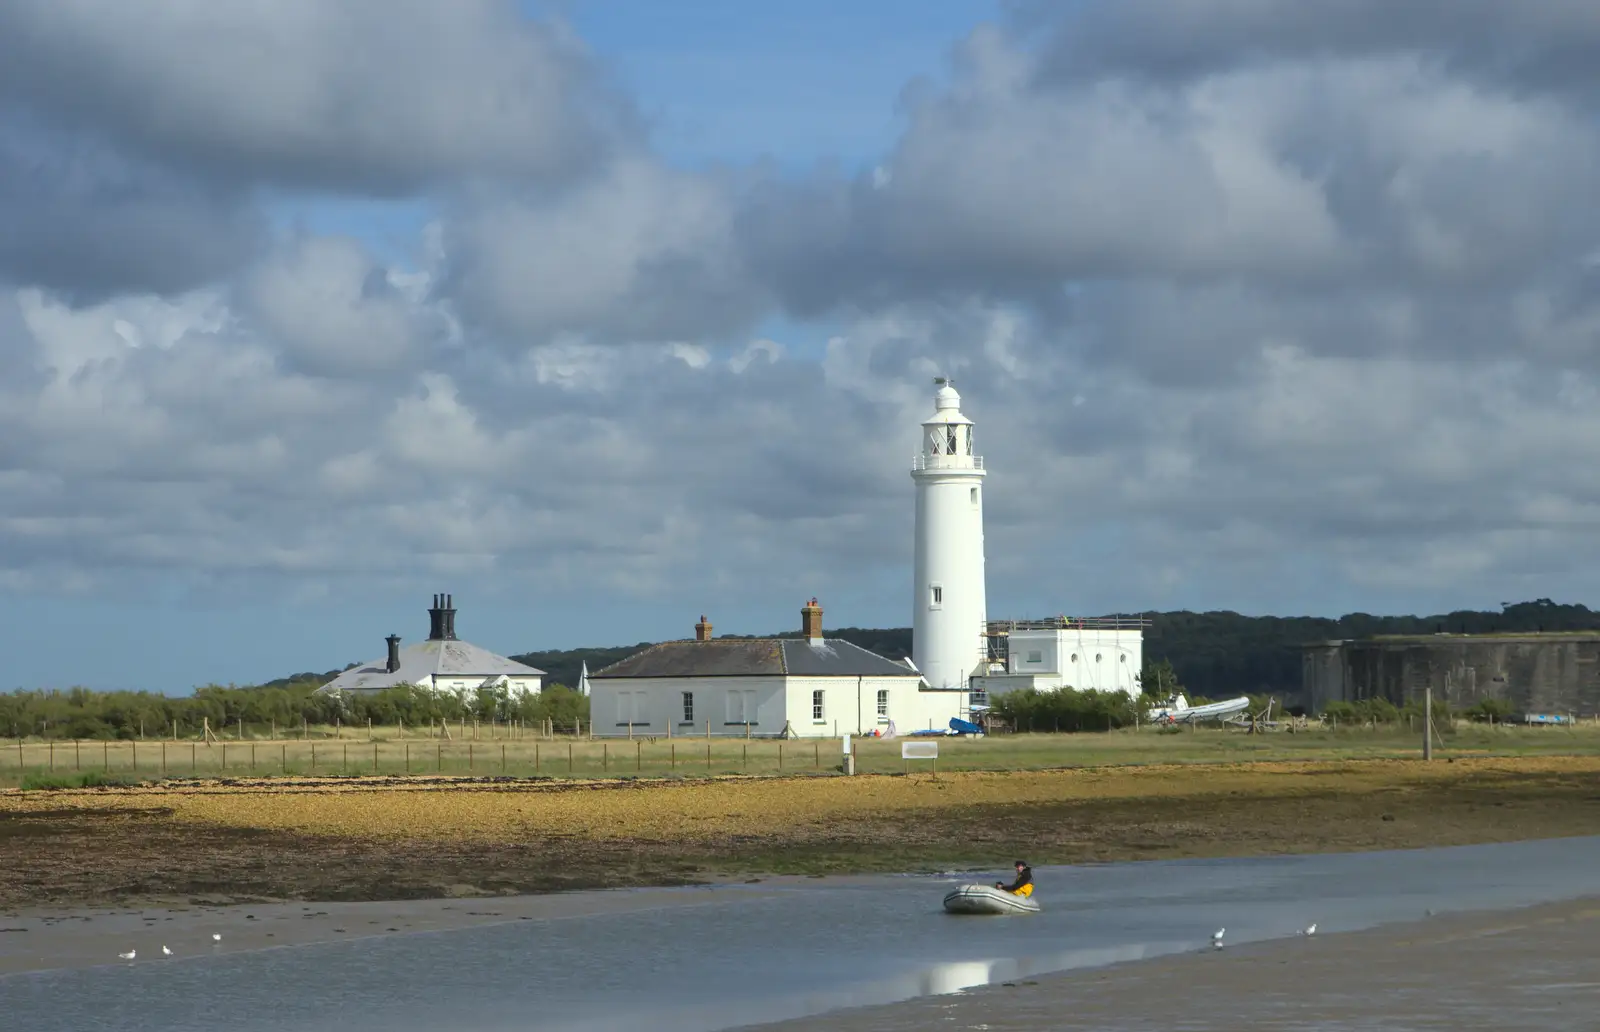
(1530, 970)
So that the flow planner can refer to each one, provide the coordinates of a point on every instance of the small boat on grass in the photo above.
(986, 899)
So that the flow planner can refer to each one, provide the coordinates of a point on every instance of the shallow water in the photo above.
(802, 949)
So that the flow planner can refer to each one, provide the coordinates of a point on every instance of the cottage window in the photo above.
(816, 706)
(688, 707)
(1036, 656)
(883, 704)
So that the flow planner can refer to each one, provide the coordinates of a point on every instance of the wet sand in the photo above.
(51, 939)
(1531, 969)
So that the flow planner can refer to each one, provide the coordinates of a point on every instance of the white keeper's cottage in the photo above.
(441, 664)
(807, 687)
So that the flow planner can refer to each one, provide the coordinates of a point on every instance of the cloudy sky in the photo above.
(608, 313)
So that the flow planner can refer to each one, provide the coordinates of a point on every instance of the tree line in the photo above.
(259, 709)
(1210, 655)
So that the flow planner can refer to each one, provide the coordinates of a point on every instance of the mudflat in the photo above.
(1531, 969)
(213, 842)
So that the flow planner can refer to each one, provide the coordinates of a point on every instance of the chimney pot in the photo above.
(394, 652)
(702, 630)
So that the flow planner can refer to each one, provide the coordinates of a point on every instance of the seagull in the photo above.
(165, 952)
(129, 955)
(1216, 938)
(1311, 930)
(216, 936)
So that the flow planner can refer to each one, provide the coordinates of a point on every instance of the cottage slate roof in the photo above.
(448, 659)
(764, 657)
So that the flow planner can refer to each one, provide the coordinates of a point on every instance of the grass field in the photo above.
(390, 751)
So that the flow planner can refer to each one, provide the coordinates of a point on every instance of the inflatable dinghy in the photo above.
(986, 899)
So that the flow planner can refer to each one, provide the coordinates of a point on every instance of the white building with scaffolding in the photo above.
(1102, 653)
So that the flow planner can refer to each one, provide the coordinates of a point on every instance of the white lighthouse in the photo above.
(949, 640)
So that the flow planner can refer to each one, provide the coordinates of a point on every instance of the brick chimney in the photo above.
(394, 652)
(811, 621)
(702, 630)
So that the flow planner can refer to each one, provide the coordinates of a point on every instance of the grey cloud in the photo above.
(87, 222)
(1545, 44)
(1356, 206)
(640, 253)
(368, 96)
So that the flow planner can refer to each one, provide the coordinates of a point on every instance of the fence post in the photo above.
(638, 752)
(469, 757)
(605, 755)
(135, 745)
(52, 754)
(283, 756)
(408, 758)
(502, 757)
(374, 757)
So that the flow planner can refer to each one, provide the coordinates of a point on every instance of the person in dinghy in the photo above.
(1023, 886)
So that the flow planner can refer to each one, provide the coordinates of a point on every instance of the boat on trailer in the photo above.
(986, 899)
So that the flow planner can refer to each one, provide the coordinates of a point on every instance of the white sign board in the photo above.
(923, 750)
(847, 745)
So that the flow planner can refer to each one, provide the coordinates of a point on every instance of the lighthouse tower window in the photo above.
(950, 440)
(935, 596)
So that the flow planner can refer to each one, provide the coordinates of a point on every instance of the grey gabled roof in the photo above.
(425, 659)
(835, 657)
(763, 657)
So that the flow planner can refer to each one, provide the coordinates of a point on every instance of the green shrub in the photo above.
(1489, 709)
(1066, 709)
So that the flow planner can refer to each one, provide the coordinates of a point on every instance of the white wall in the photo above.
(652, 703)
(467, 687)
(1079, 657)
(850, 705)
